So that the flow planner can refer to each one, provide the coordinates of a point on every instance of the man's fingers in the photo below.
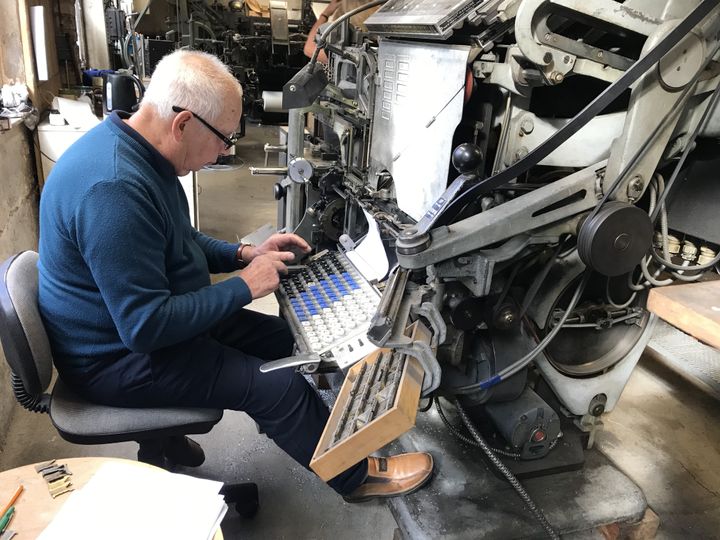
(280, 267)
(289, 239)
(281, 255)
(299, 241)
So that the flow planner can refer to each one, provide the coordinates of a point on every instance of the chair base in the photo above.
(169, 452)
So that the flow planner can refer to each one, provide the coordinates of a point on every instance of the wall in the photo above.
(18, 228)
(18, 184)
(95, 35)
(12, 66)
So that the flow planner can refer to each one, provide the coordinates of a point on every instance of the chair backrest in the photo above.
(22, 333)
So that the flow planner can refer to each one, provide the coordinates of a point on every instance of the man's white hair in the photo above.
(193, 80)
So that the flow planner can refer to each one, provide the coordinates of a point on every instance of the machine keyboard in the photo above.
(330, 304)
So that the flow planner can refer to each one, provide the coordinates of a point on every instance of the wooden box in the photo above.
(329, 461)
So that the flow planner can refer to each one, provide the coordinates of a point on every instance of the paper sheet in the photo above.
(369, 255)
(128, 501)
(77, 113)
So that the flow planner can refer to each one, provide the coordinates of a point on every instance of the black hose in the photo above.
(507, 473)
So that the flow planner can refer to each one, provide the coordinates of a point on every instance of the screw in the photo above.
(557, 77)
(521, 153)
(635, 187)
(599, 54)
(292, 87)
(548, 37)
(566, 59)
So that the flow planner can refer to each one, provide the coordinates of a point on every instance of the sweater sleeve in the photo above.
(121, 237)
(221, 256)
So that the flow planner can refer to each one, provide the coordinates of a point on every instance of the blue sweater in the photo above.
(121, 268)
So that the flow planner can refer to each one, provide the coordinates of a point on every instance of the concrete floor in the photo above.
(664, 434)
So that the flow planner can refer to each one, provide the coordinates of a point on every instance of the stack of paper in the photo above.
(129, 501)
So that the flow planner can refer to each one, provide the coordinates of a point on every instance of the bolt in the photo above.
(521, 153)
(548, 37)
(527, 126)
(407, 233)
(557, 77)
(292, 88)
(508, 317)
(635, 187)
(566, 59)
(599, 54)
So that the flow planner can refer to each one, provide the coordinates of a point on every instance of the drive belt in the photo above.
(595, 107)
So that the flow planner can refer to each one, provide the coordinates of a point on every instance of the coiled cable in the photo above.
(507, 473)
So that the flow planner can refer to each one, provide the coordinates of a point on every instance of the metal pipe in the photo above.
(272, 171)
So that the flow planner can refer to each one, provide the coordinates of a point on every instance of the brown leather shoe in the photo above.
(393, 476)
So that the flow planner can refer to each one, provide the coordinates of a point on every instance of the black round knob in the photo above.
(467, 157)
(278, 191)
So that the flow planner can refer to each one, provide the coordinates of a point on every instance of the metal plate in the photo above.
(430, 19)
(415, 118)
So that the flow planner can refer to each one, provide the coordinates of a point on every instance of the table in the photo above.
(35, 508)
(693, 308)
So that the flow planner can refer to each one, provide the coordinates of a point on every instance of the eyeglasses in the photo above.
(229, 141)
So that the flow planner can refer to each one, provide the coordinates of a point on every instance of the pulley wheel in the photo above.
(615, 240)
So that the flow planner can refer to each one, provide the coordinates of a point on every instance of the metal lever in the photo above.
(383, 321)
(271, 171)
(415, 238)
(290, 361)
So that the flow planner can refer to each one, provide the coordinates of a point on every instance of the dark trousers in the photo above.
(219, 369)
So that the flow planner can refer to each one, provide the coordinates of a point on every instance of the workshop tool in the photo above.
(56, 476)
(12, 500)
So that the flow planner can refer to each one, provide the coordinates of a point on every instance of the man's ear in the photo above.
(178, 125)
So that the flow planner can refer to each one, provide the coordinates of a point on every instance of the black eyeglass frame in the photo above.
(229, 141)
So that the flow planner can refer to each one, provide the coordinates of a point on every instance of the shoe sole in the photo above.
(410, 491)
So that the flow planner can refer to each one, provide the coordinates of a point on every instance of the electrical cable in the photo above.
(463, 438)
(529, 357)
(507, 473)
(322, 41)
(668, 186)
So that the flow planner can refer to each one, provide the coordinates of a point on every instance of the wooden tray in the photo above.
(329, 461)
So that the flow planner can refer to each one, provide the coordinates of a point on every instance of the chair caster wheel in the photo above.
(245, 497)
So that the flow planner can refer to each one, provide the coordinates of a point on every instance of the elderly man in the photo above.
(125, 290)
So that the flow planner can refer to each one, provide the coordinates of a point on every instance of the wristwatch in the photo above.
(240, 252)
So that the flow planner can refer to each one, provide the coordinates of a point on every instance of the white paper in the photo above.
(369, 255)
(77, 113)
(130, 501)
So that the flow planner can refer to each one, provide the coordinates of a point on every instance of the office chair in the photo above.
(157, 430)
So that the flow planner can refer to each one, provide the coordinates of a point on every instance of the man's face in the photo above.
(202, 145)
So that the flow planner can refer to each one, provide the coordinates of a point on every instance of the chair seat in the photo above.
(81, 422)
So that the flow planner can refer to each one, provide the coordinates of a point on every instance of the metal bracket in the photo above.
(431, 313)
(425, 355)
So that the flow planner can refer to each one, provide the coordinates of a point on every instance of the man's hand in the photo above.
(262, 275)
(288, 244)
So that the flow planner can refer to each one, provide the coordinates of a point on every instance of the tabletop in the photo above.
(35, 508)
